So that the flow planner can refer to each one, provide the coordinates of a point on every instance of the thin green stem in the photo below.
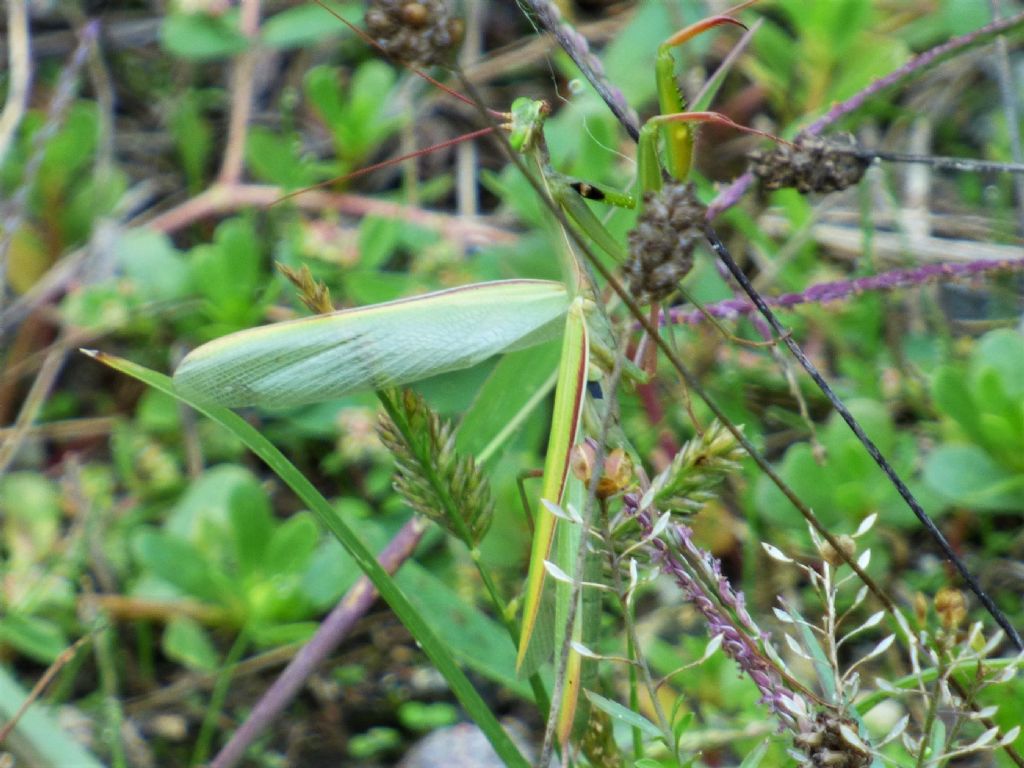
(220, 691)
(113, 715)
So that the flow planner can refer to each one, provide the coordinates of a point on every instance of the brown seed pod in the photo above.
(661, 245)
(812, 164)
(826, 744)
(422, 32)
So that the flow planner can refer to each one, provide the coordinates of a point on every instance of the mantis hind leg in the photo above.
(524, 497)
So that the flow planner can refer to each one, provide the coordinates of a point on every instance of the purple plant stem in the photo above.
(731, 194)
(844, 289)
(919, 62)
(328, 636)
(725, 612)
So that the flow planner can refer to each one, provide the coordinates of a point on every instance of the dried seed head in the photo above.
(825, 744)
(661, 245)
(420, 32)
(920, 608)
(832, 557)
(616, 475)
(951, 605)
(581, 461)
(313, 293)
(813, 164)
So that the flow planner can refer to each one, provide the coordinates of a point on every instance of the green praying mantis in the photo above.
(404, 341)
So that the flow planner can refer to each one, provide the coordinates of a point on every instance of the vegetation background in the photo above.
(138, 185)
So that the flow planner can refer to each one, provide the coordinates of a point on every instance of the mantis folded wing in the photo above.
(399, 342)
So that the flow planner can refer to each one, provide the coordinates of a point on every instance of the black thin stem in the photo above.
(965, 164)
(901, 487)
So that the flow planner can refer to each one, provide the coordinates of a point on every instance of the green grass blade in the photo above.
(385, 585)
(38, 738)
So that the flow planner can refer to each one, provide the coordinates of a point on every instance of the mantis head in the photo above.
(525, 122)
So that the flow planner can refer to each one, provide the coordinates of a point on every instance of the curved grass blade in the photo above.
(323, 357)
(385, 585)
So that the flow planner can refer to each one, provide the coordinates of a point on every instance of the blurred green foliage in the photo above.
(980, 464)
(226, 550)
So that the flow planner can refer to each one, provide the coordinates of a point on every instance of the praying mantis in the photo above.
(407, 340)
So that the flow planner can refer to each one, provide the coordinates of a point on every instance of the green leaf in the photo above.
(158, 414)
(378, 239)
(754, 758)
(70, 150)
(323, 89)
(517, 384)
(243, 256)
(186, 641)
(477, 641)
(292, 544)
(94, 197)
(963, 16)
(849, 486)
(952, 397)
(966, 475)
(194, 138)
(156, 268)
(202, 37)
(308, 24)
(274, 158)
(178, 563)
(365, 122)
(420, 716)
(251, 529)
(36, 637)
(276, 635)
(228, 271)
(30, 515)
(331, 570)
(201, 516)
(1002, 350)
(624, 715)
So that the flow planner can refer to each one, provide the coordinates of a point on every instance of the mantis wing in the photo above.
(398, 342)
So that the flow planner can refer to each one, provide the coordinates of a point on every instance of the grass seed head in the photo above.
(951, 606)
